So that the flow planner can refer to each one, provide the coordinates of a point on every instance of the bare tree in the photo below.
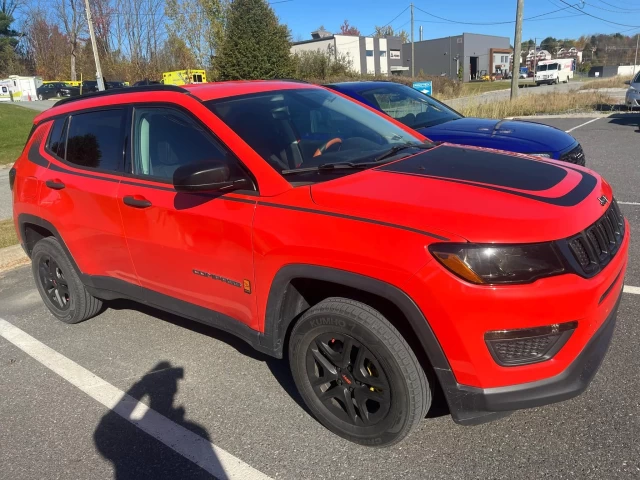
(46, 46)
(9, 7)
(73, 19)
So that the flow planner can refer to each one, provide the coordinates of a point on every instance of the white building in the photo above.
(368, 55)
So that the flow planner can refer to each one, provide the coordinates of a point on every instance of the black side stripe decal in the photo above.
(35, 157)
(38, 159)
(351, 217)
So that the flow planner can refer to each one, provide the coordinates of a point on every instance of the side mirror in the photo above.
(628, 82)
(208, 176)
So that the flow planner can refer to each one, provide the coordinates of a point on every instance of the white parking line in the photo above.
(203, 453)
(634, 290)
(581, 125)
(628, 203)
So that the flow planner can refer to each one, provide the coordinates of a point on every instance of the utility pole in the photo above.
(635, 62)
(413, 58)
(517, 50)
(95, 47)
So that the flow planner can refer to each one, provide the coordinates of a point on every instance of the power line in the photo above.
(491, 23)
(533, 20)
(598, 18)
(607, 9)
(620, 8)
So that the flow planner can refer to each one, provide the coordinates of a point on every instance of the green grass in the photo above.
(474, 88)
(15, 125)
(7, 233)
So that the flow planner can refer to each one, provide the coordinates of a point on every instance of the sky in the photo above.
(304, 16)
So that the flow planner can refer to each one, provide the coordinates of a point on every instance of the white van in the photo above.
(554, 71)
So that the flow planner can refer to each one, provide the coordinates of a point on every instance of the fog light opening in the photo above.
(528, 345)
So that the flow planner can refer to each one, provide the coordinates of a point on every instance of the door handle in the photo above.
(134, 202)
(55, 184)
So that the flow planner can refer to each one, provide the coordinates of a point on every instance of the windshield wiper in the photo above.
(398, 148)
(328, 167)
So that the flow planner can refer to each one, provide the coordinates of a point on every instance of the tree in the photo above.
(74, 21)
(549, 44)
(199, 24)
(320, 65)
(388, 31)
(346, 29)
(255, 44)
(46, 46)
(8, 44)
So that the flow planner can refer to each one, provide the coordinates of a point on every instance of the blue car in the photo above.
(439, 122)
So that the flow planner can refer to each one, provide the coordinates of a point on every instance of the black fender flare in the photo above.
(275, 326)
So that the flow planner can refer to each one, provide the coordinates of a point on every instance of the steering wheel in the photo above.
(328, 145)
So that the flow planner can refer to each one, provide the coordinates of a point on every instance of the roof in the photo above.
(212, 91)
(202, 91)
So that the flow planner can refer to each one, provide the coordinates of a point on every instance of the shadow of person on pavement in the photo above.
(120, 436)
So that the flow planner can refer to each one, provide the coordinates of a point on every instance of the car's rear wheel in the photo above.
(357, 374)
(59, 285)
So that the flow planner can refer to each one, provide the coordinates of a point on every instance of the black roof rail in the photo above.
(295, 80)
(123, 91)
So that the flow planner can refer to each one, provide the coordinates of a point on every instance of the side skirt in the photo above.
(108, 288)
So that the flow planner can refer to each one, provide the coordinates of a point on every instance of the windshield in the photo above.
(310, 127)
(544, 68)
(414, 109)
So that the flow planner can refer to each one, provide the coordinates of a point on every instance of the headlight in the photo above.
(545, 155)
(495, 264)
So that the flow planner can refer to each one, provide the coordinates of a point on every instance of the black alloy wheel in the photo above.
(53, 283)
(348, 379)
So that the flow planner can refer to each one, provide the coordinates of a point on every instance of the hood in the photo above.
(479, 195)
(512, 135)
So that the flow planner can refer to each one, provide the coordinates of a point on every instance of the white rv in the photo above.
(19, 88)
(554, 71)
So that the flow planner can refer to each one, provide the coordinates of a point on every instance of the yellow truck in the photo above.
(184, 77)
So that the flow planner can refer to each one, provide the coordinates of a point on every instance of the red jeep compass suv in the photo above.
(307, 224)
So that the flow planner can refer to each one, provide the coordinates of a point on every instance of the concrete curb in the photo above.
(567, 115)
(12, 257)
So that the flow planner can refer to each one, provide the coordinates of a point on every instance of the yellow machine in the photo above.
(184, 77)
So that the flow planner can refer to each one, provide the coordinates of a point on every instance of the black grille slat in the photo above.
(597, 244)
(575, 156)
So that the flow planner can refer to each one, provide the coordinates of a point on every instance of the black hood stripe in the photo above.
(495, 171)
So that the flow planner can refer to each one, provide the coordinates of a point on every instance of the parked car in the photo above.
(115, 85)
(146, 81)
(441, 123)
(89, 86)
(632, 97)
(384, 266)
(57, 90)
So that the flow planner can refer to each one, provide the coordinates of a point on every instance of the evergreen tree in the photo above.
(255, 44)
(8, 43)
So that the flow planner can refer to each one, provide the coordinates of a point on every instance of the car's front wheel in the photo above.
(357, 374)
(40, 97)
(59, 285)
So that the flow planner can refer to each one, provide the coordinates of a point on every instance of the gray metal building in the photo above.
(470, 51)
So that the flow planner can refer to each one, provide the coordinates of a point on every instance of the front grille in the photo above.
(598, 244)
(575, 156)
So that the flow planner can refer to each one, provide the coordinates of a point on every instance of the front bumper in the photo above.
(632, 99)
(473, 406)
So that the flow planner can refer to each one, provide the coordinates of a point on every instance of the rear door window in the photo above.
(95, 140)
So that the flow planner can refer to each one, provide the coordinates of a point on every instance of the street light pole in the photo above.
(95, 47)
(517, 49)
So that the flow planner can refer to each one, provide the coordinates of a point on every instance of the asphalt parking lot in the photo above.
(61, 407)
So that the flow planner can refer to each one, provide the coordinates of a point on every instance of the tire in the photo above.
(383, 391)
(40, 97)
(58, 283)
(58, 94)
